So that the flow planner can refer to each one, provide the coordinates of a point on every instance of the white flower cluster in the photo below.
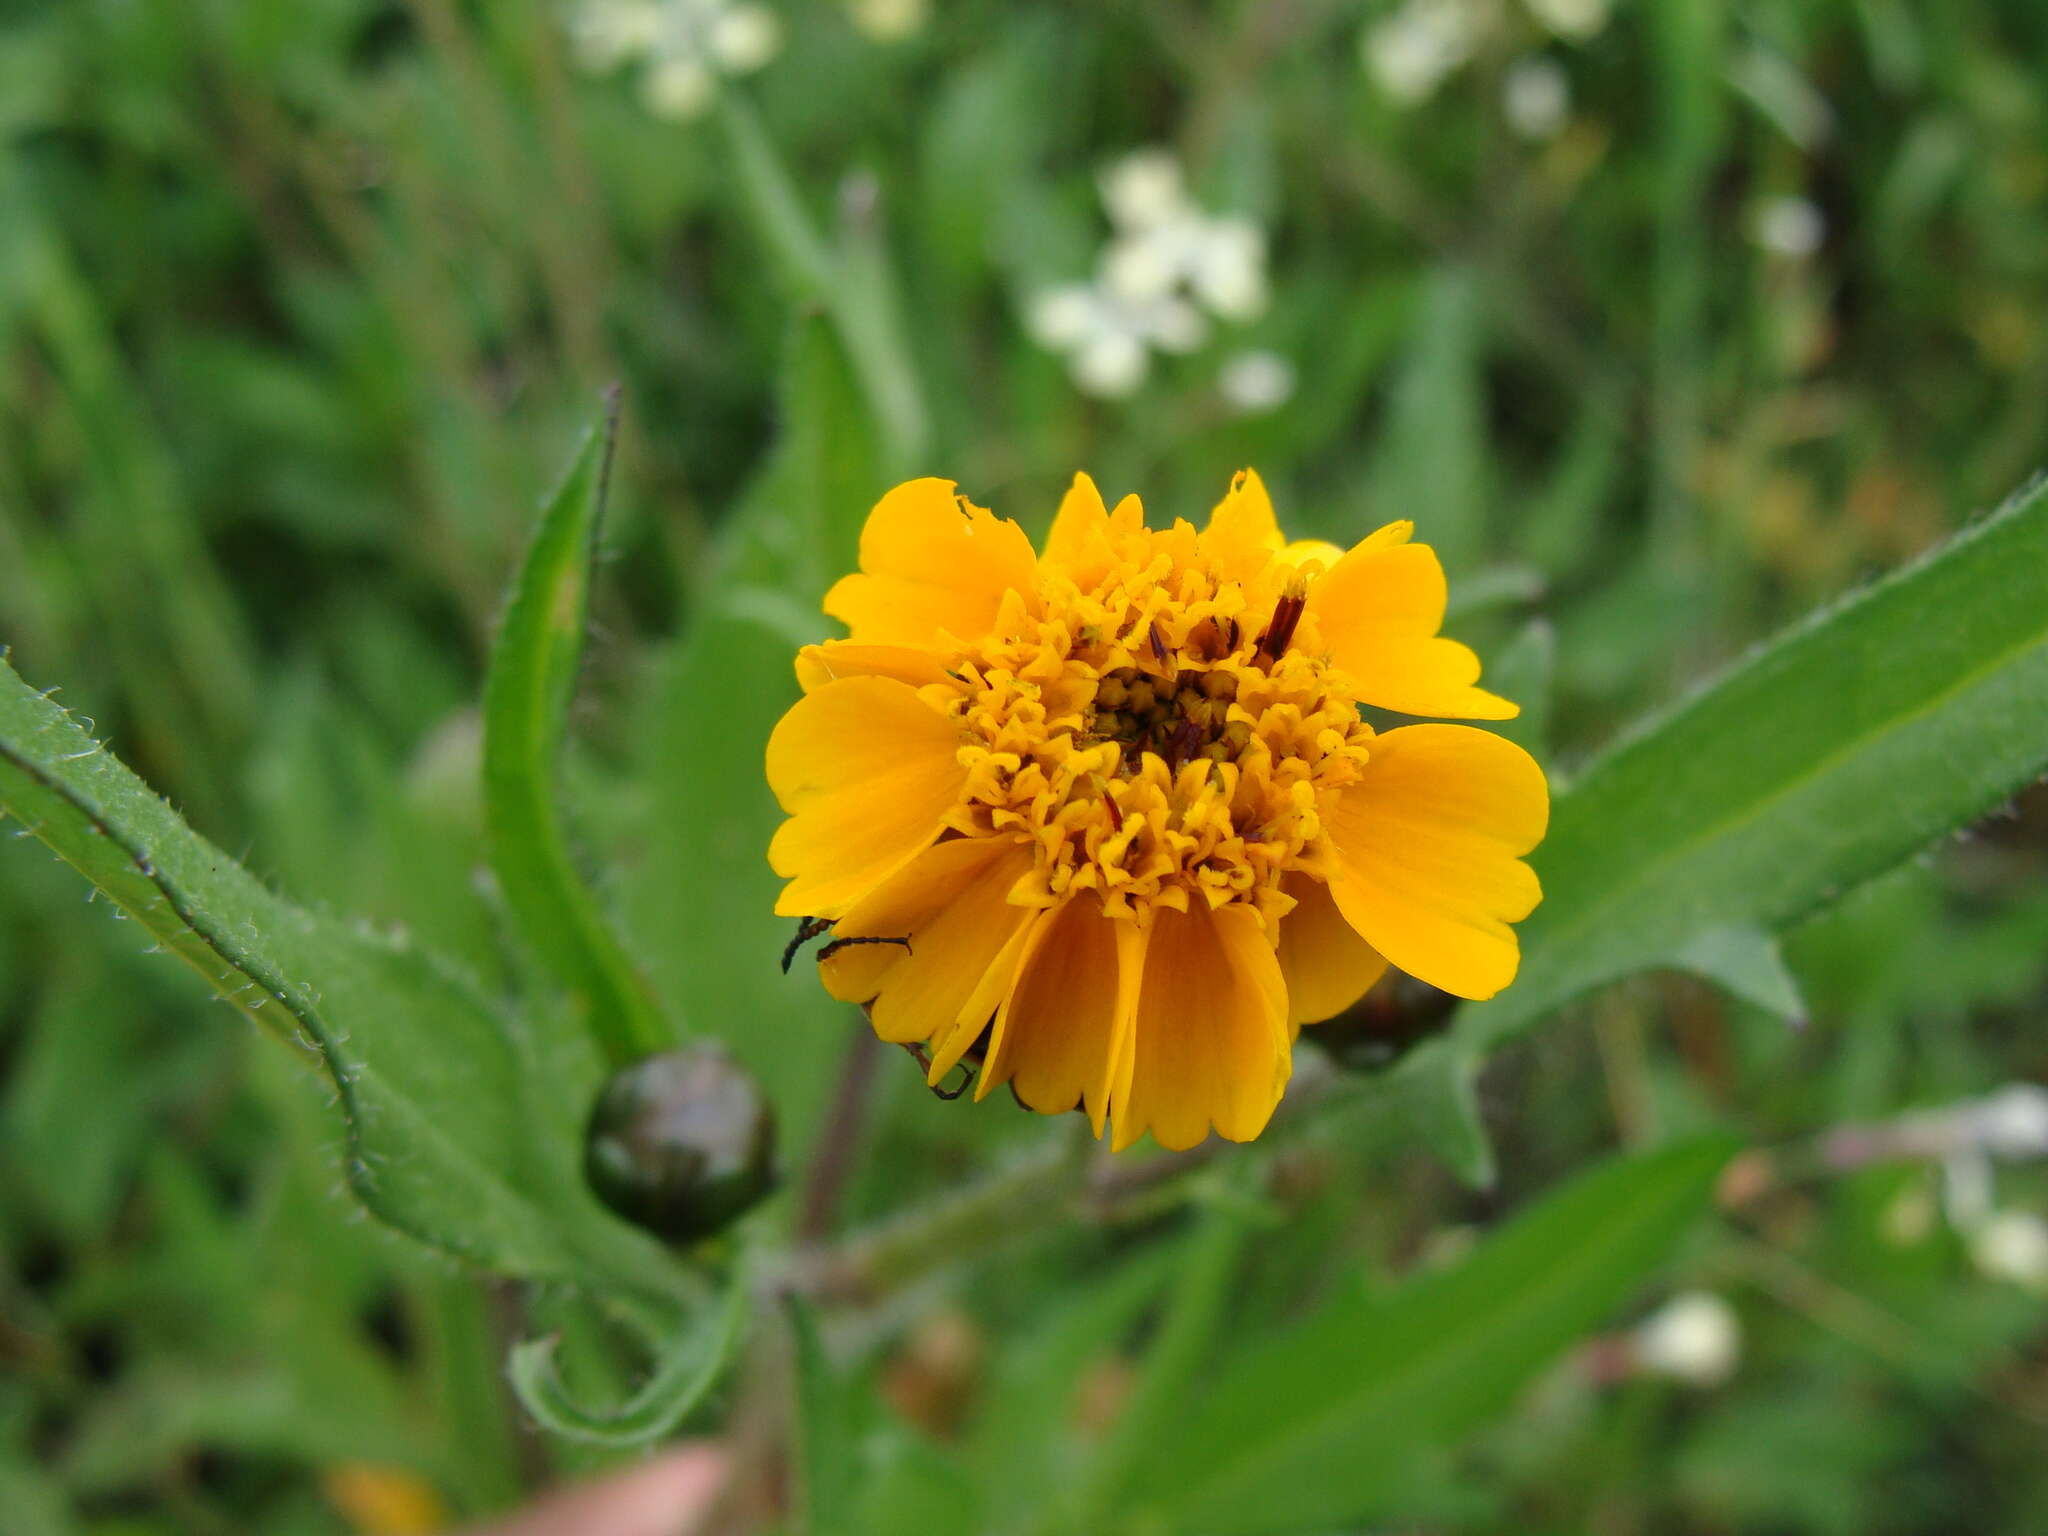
(682, 47)
(889, 21)
(1169, 266)
(1964, 1140)
(1414, 49)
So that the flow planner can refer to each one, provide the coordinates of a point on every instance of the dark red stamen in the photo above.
(1286, 614)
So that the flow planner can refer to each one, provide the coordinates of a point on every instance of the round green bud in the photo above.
(682, 1143)
(1387, 1023)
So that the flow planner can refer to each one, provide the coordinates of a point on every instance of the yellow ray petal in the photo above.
(901, 908)
(931, 561)
(1327, 965)
(1210, 1046)
(1060, 1035)
(817, 665)
(1428, 846)
(1242, 527)
(926, 993)
(1081, 516)
(1376, 613)
(865, 769)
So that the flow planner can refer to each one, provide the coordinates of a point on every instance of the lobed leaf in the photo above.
(440, 1103)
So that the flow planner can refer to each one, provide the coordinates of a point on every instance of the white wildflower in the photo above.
(1256, 381)
(682, 47)
(1413, 51)
(1787, 226)
(1536, 97)
(2013, 1246)
(1167, 262)
(1695, 1337)
(1572, 20)
(890, 21)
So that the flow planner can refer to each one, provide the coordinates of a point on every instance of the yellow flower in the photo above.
(1111, 812)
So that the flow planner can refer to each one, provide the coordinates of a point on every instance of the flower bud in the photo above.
(682, 1143)
(1397, 1015)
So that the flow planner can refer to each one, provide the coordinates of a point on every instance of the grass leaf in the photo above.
(526, 706)
(1304, 1431)
(1822, 760)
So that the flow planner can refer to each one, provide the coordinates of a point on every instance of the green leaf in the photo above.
(1433, 447)
(1822, 760)
(526, 707)
(1304, 1431)
(1187, 1334)
(690, 1363)
(440, 1110)
(701, 896)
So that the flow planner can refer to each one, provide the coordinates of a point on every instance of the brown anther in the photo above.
(1158, 639)
(1286, 614)
(1182, 744)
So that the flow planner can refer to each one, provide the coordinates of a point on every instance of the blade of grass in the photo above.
(526, 706)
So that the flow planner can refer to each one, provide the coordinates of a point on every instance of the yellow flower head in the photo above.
(1111, 813)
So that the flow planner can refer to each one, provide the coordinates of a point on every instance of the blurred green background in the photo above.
(1665, 324)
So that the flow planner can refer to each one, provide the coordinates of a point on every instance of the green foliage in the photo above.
(262, 495)
(526, 707)
(1827, 757)
(1300, 1432)
(438, 1092)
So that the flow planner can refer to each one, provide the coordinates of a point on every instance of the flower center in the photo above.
(1178, 718)
(1156, 733)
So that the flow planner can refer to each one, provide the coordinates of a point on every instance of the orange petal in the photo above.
(931, 562)
(1242, 527)
(1327, 965)
(900, 908)
(1062, 1031)
(1376, 613)
(945, 986)
(1210, 1045)
(865, 769)
(1427, 852)
(817, 665)
(1081, 516)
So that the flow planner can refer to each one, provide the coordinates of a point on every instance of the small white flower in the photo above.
(1572, 20)
(1059, 318)
(1787, 226)
(1536, 97)
(1111, 364)
(745, 37)
(1144, 189)
(2013, 1122)
(1108, 336)
(1226, 267)
(1255, 382)
(1413, 51)
(678, 87)
(606, 33)
(681, 46)
(1167, 262)
(890, 21)
(2013, 1246)
(1695, 1337)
